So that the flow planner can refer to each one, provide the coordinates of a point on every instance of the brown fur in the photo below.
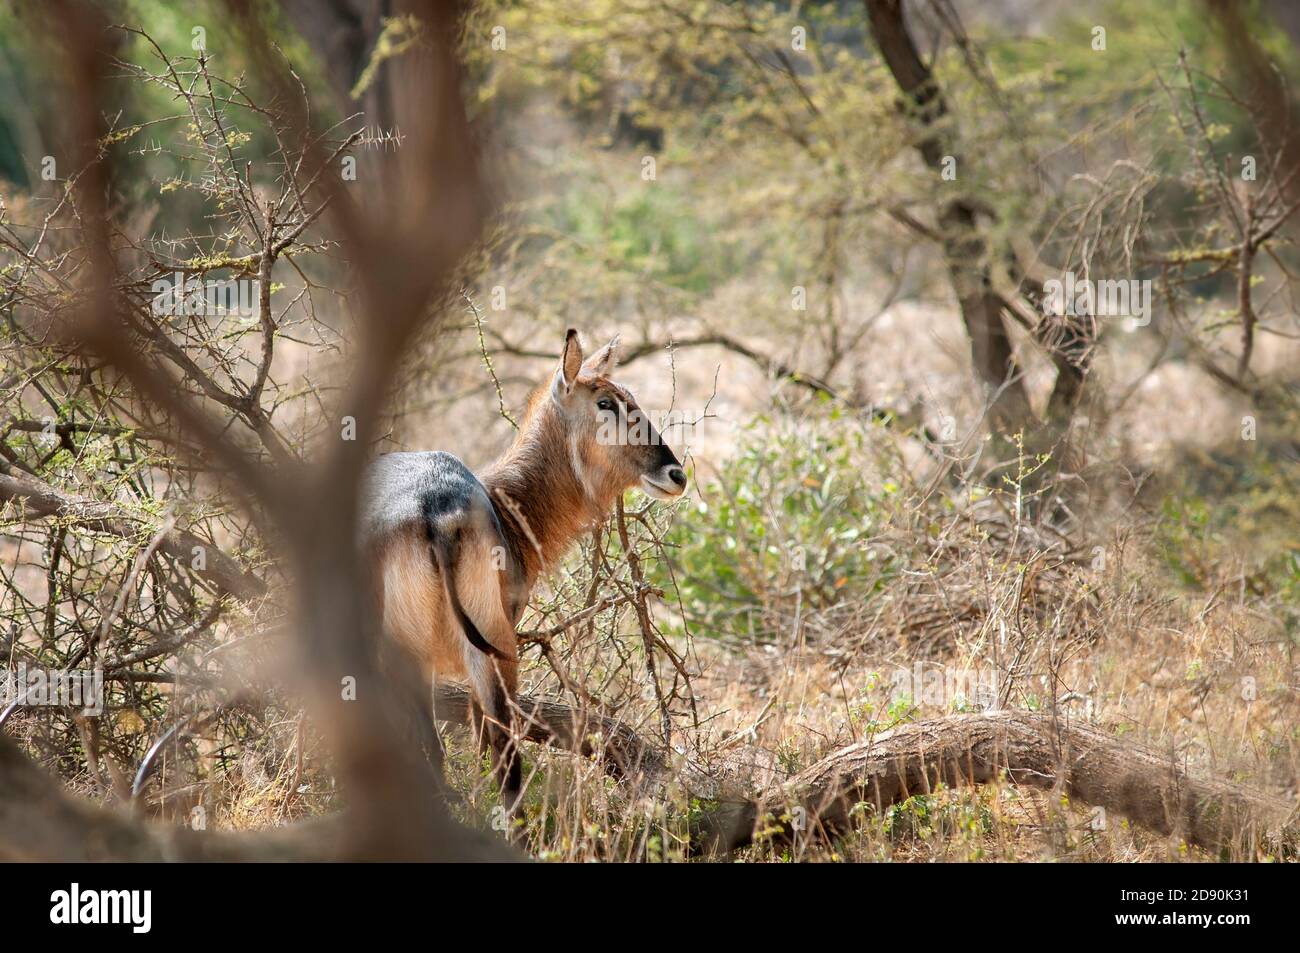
(545, 499)
(537, 474)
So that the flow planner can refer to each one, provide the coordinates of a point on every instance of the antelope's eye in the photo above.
(606, 403)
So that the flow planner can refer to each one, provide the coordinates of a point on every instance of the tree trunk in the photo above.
(967, 254)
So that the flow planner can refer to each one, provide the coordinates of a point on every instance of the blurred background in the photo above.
(827, 235)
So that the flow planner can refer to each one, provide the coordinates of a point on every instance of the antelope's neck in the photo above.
(542, 503)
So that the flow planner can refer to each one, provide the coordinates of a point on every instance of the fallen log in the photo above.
(1077, 760)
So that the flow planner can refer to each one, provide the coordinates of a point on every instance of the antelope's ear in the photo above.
(603, 361)
(570, 365)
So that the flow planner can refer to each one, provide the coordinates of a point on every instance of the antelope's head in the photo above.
(612, 444)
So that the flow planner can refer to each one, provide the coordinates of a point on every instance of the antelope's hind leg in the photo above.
(492, 683)
(492, 678)
(402, 590)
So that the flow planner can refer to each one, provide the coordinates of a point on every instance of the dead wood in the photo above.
(1076, 760)
(623, 750)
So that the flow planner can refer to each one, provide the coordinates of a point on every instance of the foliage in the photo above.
(784, 533)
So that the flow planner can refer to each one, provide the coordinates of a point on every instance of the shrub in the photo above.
(782, 538)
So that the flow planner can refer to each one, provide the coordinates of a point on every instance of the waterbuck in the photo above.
(455, 555)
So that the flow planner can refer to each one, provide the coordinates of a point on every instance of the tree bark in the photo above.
(1026, 748)
(964, 248)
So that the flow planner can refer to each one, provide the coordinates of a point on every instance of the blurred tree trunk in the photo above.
(343, 34)
(1266, 95)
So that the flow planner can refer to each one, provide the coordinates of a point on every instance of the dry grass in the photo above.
(993, 609)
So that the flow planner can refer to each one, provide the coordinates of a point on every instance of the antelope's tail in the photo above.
(445, 548)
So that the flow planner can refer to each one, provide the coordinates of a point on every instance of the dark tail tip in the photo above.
(446, 568)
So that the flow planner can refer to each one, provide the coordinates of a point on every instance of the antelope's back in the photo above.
(418, 489)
